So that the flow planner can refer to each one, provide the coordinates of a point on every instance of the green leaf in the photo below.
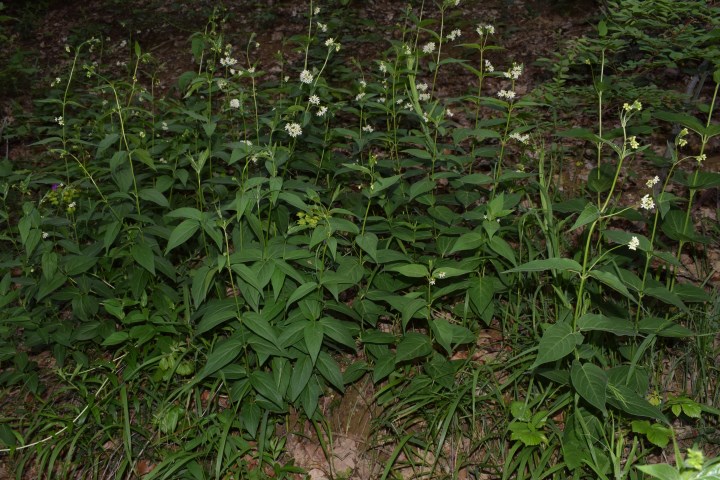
(625, 399)
(182, 233)
(49, 264)
(143, 255)
(301, 376)
(330, 370)
(260, 326)
(413, 270)
(413, 345)
(657, 434)
(557, 342)
(222, 354)
(674, 226)
(216, 312)
(368, 242)
(663, 328)
(590, 382)
(264, 385)
(302, 291)
(416, 152)
(469, 241)
(313, 334)
(339, 331)
(502, 248)
(420, 188)
(384, 366)
(562, 264)
(526, 434)
(589, 214)
(597, 322)
(115, 338)
(662, 471)
(612, 281)
(152, 195)
(449, 335)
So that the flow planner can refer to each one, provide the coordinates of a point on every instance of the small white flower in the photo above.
(653, 181)
(45, 235)
(522, 138)
(164, 126)
(701, 158)
(368, 129)
(428, 47)
(142, 134)
(431, 281)
(647, 202)
(246, 142)
(633, 243)
(383, 67)
(287, 78)
(454, 34)
(314, 100)
(507, 94)
(485, 30)
(293, 129)
(60, 120)
(322, 27)
(321, 111)
(316, 11)
(234, 103)
(632, 141)
(382, 100)
(72, 205)
(306, 77)
(515, 72)
(330, 42)
(489, 66)
(408, 106)
(359, 96)
(251, 70)
(440, 275)
(424, 97)
(55, 82)
(449, 113)
(421, 87)
(363, 83)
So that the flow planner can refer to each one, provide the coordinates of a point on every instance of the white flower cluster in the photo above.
(653, 181)
(314, 100)
(306, 77)
(489, 66)
(454, 34)
(522, 138)
(421, 87)
(647, 202)
(368, 129)
(322, 27)
(506, 94)
(515, 72)
(485, 30)
(331, 43)
(234, 103)
(293, 129)
(428, 47)
(633, 243)
(228, 61)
